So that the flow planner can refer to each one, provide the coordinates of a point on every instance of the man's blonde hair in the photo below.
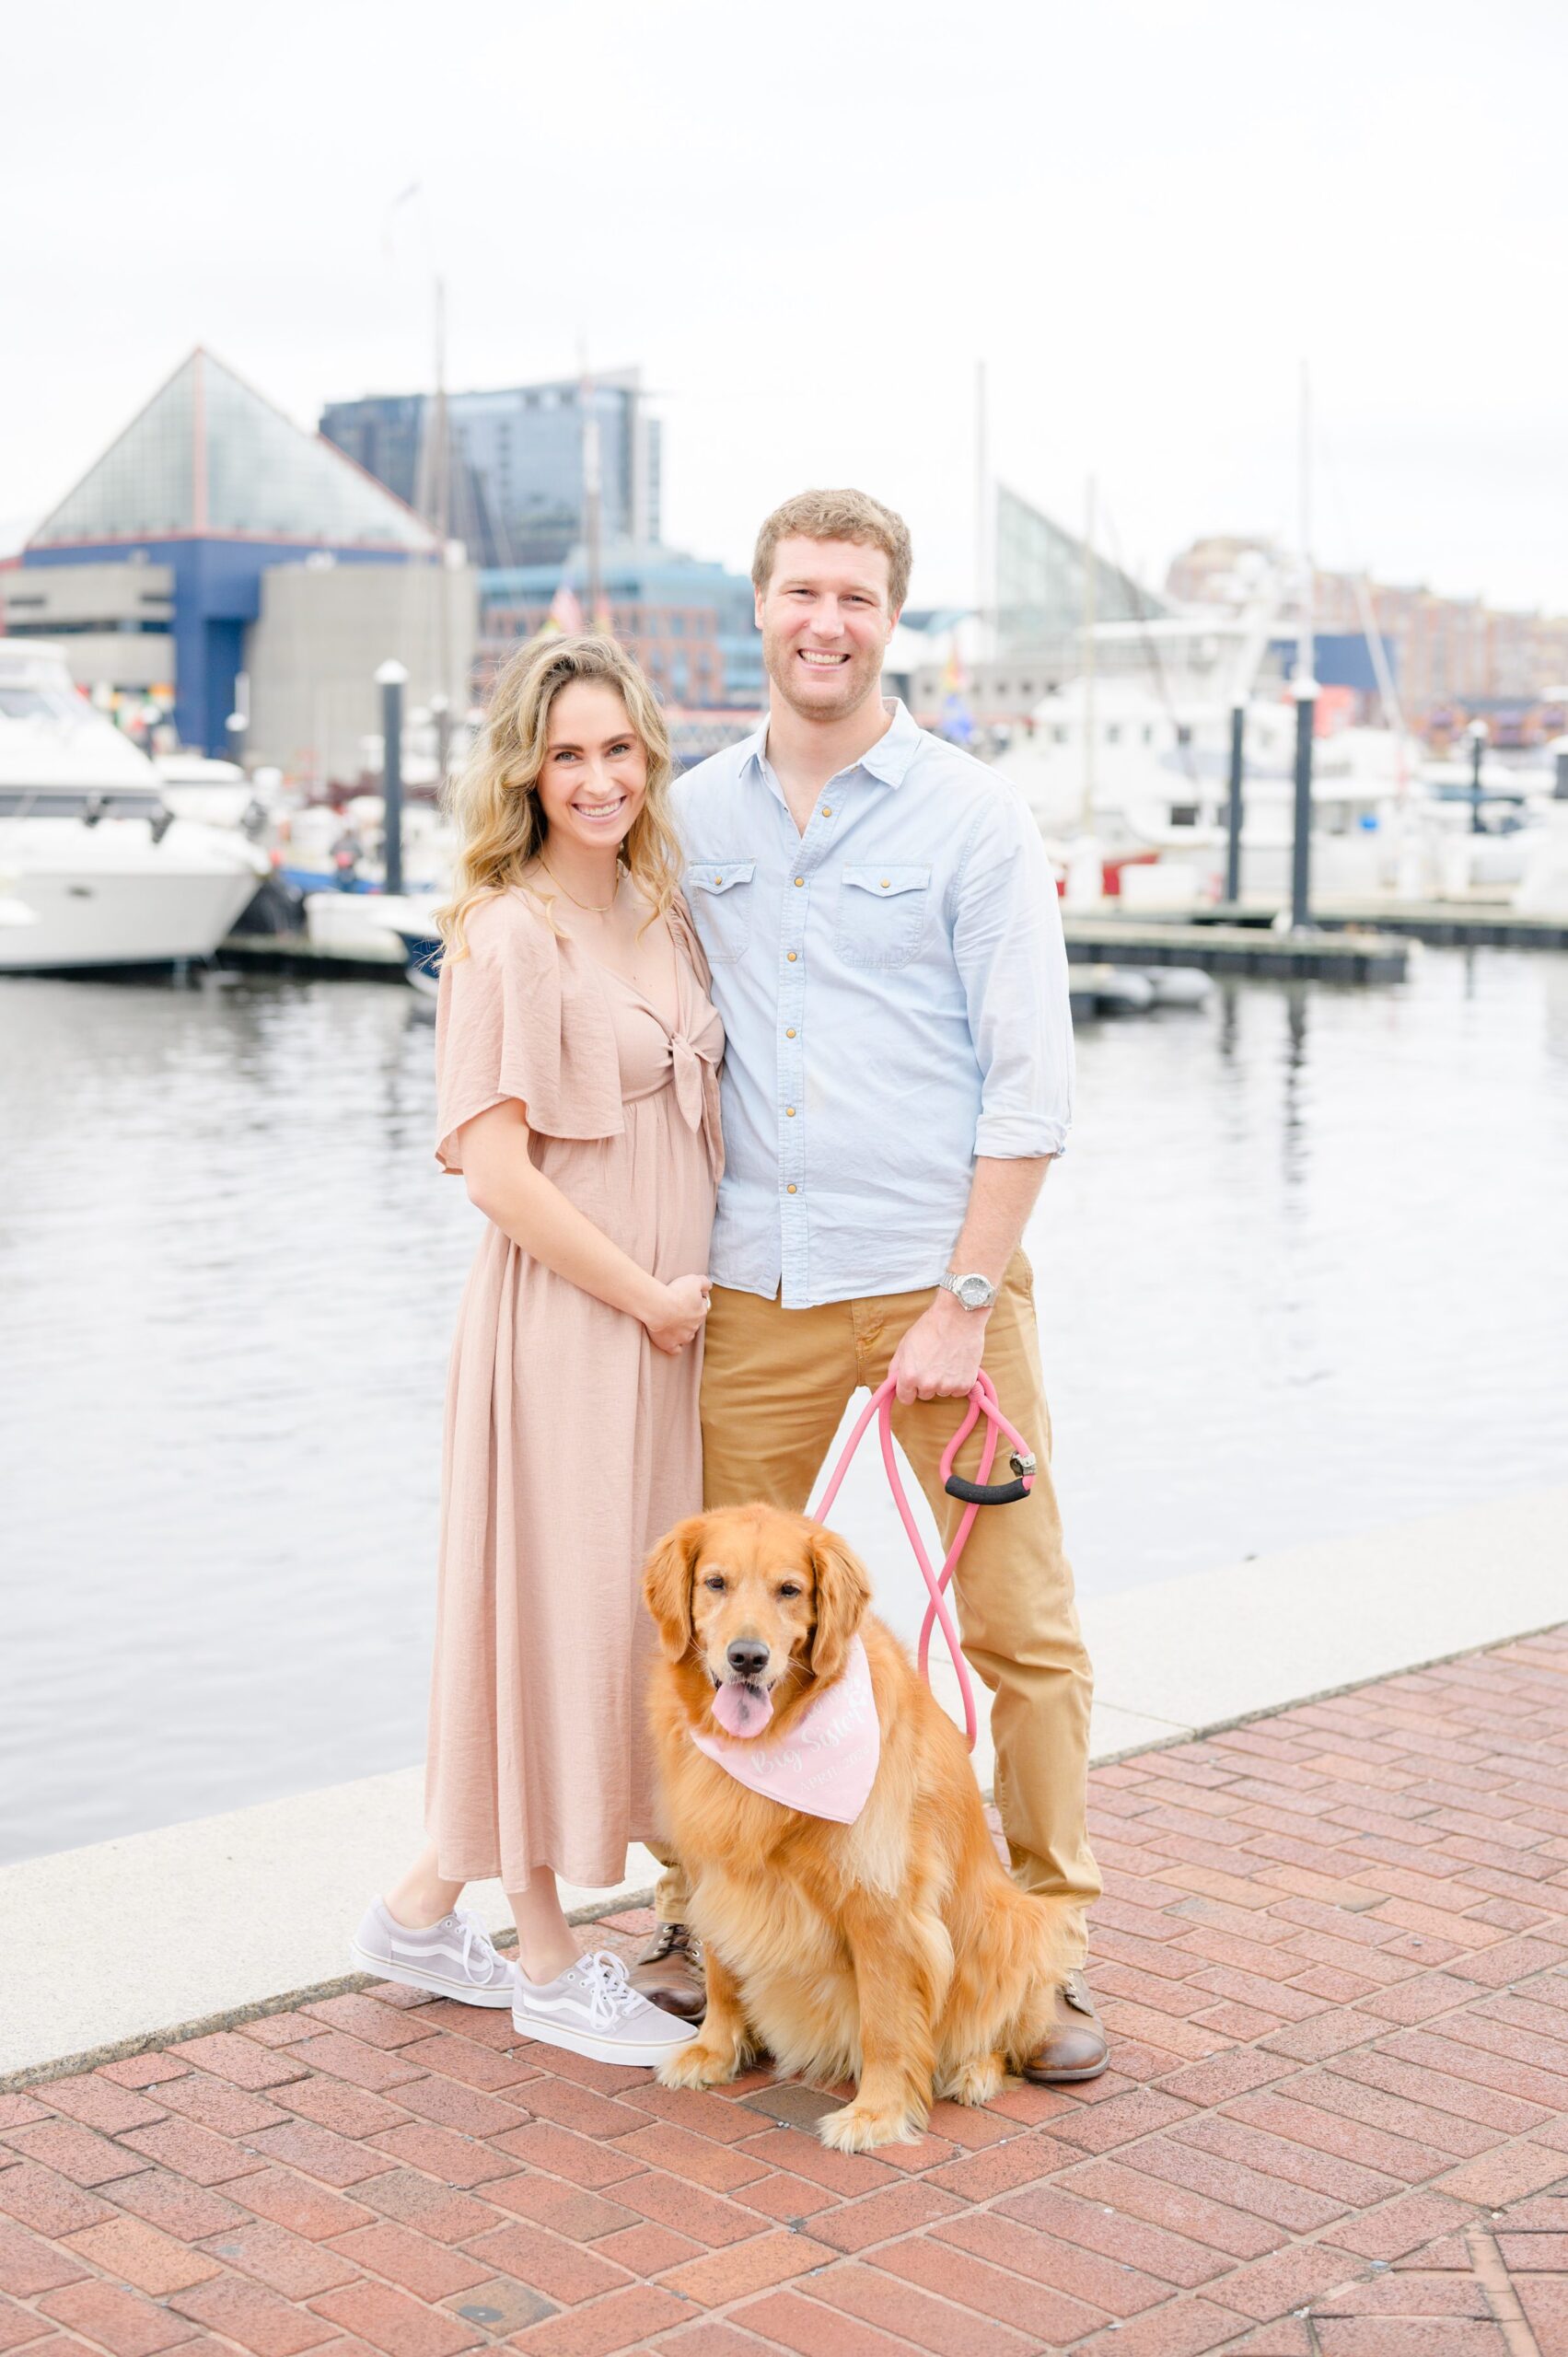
(836, 515)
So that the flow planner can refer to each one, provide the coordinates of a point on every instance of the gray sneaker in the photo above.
(454, 1958)
(592, 2009)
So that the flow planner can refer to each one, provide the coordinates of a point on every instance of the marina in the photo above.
(1298, 1275)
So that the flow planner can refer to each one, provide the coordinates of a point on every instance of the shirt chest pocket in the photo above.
(881, 914)
(721, 894)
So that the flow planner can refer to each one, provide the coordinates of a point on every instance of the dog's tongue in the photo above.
(741, 1710)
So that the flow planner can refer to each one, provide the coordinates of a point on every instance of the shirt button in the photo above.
(798, 882)
(789, 1034)
(827, 810)
(884, 883)
(791, 956)
(790, 1111)
(790, 1189)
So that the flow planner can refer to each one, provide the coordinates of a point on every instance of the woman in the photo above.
(575, 1055)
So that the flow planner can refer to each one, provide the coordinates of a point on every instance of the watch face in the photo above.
(974, 1293)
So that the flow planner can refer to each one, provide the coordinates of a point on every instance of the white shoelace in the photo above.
(609, 1990)
(477, 1949)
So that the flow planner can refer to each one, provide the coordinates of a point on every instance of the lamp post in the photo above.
(391, 678)
(441, 711)
(1478, 733)
(1301, 848)
(1233, 807)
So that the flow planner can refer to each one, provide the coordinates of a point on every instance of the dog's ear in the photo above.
(666, 1585)
(843, 1591)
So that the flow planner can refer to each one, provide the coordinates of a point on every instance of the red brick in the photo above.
(1101, 2224)
(1400, 2226)
(1113, 2286)
(258, 2320)
(347, 2111)
(721, 2168)
(390, 2322)
(786, 2319)
(800, 2154)
(342, 2057)
(671, 2203)
(466, 2111)
(1504, 2176)
(549, 2262)
(786, 2197)
(191, 2152)
(185, 2211)
(1032, 2307)
(50, 2204)
(542, 2145)
(336, 2160)
(212, 2103)
(141, 2070)
(1324, 2034)
(1474, 2066)
(121, 2322)
(1002, 2169)
(876, 2298)
(571, 2106)
(465, 2059)
(273, 2030)
(239, 2060)
(363, 2016)
(1185, 2331)
(499, 2306)
(303, 2206)
(99, 2103)
(417, 2200)
(1291, 2279)
(140, 2256)
(1097, 2128)
(875, 2217)
(646, 2249)
(19, 2326)
(420, 2265)
(760, 2265)
(625, 2320)
(706, 2114)
(1184, 2041)
(1438, 2090)
(283, 2261)
(20, 2111)
(28, 2265)
(1180, 2207)
(79, 2154)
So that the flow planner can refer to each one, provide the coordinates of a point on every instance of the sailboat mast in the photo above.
(591, 488)
(1089, 814)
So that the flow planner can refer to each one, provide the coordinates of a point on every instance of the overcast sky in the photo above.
(807, 222)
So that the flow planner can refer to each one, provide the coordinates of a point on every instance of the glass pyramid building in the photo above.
(1041, 581)
(208, 459)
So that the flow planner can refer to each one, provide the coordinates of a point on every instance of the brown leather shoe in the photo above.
(669, 1973)
(1076, 2049)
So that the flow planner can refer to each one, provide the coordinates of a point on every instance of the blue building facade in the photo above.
(689, 622)
(212, 480)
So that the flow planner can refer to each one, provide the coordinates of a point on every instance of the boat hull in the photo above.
(111, 895)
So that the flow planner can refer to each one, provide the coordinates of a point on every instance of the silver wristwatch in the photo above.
(974, 1292)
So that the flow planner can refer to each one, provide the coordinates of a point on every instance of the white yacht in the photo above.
(89, 846)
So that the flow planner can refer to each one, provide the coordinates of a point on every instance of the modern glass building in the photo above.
(1041, 577)
(212, 486)
(515, 463)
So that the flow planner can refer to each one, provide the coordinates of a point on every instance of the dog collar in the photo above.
(825, 1764)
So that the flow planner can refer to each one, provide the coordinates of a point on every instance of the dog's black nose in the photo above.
(746, 1657)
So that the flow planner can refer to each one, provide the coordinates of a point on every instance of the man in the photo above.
(887, 955)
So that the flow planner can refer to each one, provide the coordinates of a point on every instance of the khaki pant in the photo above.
(776, 1383)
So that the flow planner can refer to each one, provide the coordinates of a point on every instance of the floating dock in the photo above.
(1094, 937)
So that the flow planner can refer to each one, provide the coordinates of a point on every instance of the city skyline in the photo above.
(1140, 226)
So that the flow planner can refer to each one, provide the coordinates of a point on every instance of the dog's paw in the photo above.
(978, 2081)
(699, 2065)
(860, 2128)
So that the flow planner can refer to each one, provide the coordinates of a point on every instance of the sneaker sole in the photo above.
(636, 2053)
(435, 1984)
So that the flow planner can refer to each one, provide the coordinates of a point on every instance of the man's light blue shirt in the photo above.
(893, 985)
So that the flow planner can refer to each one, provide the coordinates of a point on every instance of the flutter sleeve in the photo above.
(507, 1026)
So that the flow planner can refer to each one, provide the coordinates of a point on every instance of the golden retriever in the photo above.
(894, 1951)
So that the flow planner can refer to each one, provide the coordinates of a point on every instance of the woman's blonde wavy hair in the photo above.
(494, 801)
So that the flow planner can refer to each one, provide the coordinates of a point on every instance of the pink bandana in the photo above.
(826, 1765)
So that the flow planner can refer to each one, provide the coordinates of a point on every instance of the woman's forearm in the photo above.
(515, 1196)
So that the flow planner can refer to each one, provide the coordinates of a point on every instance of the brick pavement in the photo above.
(1333, 1958)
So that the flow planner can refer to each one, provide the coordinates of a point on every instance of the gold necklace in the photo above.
(591, 906)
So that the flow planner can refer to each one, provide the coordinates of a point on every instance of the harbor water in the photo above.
(1303, 1271)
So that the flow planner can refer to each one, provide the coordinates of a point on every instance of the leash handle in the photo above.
(982, 1400)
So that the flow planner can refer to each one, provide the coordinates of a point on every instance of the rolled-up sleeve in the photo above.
(1012, 961)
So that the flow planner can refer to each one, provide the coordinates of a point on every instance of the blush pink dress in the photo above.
(572, 1444)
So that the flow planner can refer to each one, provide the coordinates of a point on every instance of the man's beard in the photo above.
(855, 681)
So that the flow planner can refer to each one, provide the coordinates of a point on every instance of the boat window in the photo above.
(1184, 814)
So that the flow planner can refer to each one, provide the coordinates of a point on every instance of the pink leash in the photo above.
(983, 1402)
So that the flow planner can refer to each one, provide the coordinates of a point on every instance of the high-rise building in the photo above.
(516, 490)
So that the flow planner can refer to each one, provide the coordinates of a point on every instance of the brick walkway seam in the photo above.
(1333, 1959)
